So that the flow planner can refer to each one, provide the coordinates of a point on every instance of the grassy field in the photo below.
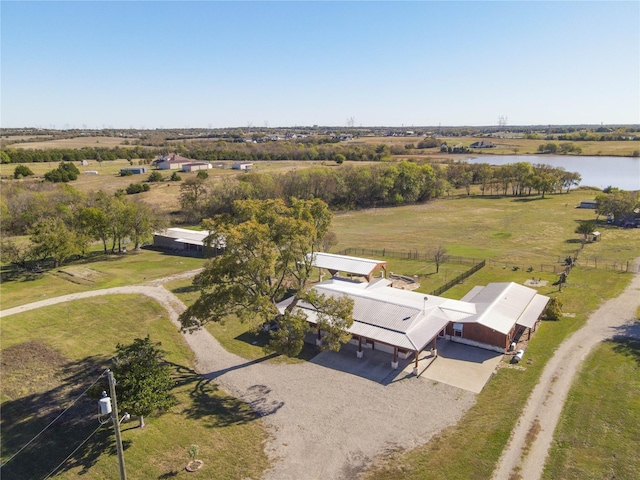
(597, 435)
(77, 142)
(470, 450)
(507, 146)
(96, 272)
(50, 356)
(517, 231)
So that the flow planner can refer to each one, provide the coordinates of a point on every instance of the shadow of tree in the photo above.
(216, 409)
(25, 417)
(627, 341)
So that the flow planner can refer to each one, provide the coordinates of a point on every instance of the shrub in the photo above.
(126, 173)
(155, 176)
(175, 177)
(134, 188)
(22, 171)
(203, 174)
(553, 310)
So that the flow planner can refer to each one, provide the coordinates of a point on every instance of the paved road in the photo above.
(614, 317)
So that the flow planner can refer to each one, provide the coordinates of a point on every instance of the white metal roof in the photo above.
(191, 237)
(502, 305)
(344, 263)
(397, 317)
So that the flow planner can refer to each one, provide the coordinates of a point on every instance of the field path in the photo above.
(543, 409)
(323, 423)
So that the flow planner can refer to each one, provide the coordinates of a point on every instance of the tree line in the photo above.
(61, 223)
(379, 185)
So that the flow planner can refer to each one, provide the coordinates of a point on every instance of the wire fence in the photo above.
(460, 278)
(557, 265)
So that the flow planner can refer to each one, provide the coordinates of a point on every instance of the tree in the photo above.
(202, 174)
(438, 254)
(339, 158)
(64, 173)
(192, 197)
(52, 238)
(585, 228)
(22, 171)
(143, 221)
(618, 203)
(269, 252)
(155, 176)
(288, 338)
(334, 317)
(175, 177)
(143, 378)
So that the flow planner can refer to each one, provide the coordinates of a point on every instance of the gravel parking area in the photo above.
(327, 418)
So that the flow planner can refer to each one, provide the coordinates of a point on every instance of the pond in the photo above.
(601, 172)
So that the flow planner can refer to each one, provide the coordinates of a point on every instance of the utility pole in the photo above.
(116, 424)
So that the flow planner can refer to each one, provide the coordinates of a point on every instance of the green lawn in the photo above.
(96, 272)
(52, 354)
(597, 435)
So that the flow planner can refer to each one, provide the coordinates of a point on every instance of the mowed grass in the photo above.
(471, 449)
(597, 434)
(97, 272)
(52, 354)
(527, 231)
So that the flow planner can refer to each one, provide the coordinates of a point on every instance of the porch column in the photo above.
(394, 363)
(434, 350)
(319, 338)
(359, 353)
(415, 366)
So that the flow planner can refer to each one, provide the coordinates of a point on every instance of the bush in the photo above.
(155, 176)
(134, 188)
(126, 173)
(64, 173)
(553, 310)
(175, 177)
(203, 174)
(22, 171)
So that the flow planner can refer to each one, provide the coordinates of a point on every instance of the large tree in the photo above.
(143, 379)
(269, 248)
(619, 204)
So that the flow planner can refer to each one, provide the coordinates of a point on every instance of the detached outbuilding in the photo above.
(134, 170)
(183, 240)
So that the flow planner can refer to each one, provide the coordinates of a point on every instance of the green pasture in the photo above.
(597, 434)
(471, 449)
(51, 355)
(93, 273)
(517, 231)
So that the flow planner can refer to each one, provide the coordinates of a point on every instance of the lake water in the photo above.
(620, 172)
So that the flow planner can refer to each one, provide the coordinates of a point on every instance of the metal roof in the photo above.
(502, 305)
(344, 263)
(396, 317)
(191, 237)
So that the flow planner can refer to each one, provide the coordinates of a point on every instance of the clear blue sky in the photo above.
(224, 64)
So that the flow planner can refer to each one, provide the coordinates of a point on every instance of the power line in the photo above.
(54, 420)
(69, 456)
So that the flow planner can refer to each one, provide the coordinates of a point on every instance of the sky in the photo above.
(211, 64)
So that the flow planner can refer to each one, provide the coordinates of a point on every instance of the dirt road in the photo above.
(614, 317)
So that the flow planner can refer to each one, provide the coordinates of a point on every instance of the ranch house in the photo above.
(404, 323)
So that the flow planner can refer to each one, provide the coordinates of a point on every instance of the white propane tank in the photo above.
(512, 347)
(519, 355)
(104, 404)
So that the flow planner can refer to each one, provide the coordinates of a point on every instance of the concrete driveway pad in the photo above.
(463, 366)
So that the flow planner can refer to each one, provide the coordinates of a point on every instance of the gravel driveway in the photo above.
(324, 423)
